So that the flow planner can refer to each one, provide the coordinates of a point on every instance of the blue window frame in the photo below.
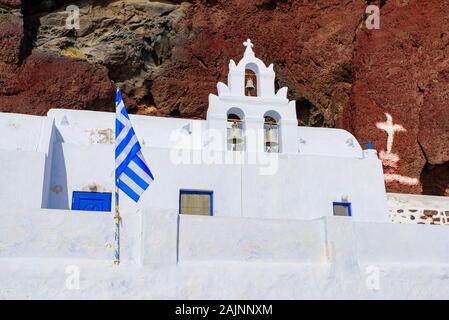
(196, 202)
(342, 209)
(91, 201)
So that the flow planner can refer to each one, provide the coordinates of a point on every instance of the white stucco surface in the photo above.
(76, 152)
(278, 241)
(328, 142)
(25, 131)
(325, 258)
(413, 201)
(22, 179)
(407, 244)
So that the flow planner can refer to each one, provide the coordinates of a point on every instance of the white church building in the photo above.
(245, 204)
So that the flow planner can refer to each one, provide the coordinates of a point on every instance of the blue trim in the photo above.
(118, 127)
(343, 204)
(123, 111)
(133, 152)
(191, 191)
(129, 192)
(122, 145)
(142, 165)
(118, 96)
(91, 201)
(137, 179)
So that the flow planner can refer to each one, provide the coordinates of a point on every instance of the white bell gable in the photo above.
(252, 109)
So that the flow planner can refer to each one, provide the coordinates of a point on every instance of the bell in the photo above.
(271, 137)
(235, 136)
(250, 84)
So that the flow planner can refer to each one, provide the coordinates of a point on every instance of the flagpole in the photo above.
(117, 220)
(127, 150)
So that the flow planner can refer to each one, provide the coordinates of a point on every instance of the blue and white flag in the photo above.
(132, 174)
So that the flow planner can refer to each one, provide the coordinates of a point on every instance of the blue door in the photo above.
(91, 201)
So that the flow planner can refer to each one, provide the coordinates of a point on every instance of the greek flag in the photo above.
(132, 174)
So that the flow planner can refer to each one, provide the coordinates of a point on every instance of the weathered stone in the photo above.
(11, 34)
(133, 39)
(10, 3)
(169, 96)
(435, 179)
(46, 81)
(434, 114)
(401, 70)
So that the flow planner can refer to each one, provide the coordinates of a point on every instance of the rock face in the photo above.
(389, 86)
(35, 81)
(309, 43)
(10, 3)
(403, 70)
(11, 34)
(133, 39)
(72, 84)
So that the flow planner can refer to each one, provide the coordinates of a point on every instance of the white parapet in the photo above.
(370, 154)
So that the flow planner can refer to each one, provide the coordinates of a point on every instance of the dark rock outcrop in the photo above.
(132, 39)
(40, 81)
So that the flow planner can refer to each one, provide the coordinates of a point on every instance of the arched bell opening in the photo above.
(235, 130)
(251, 83)
(272, 130)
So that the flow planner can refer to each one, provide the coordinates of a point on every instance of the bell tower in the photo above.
(249, 99)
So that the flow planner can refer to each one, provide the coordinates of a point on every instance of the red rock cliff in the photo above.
(167, 56)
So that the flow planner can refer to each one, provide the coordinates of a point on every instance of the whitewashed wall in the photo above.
(77, 153)
(416, 201)
(76, 127)
(77, 168)
(20, 132)
(302, 187)
(390, 243)
(64, 234)
(162, 237)
(167, 256)
(22, 175)
(306, 187)
(25, 146)
(216, 239)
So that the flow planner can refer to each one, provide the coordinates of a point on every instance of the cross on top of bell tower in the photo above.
(251, 79)
(249, 48)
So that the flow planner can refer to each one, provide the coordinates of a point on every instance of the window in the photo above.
(91, 201)
(196, 202)
(342, 209)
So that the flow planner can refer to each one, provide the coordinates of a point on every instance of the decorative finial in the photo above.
(249, 47)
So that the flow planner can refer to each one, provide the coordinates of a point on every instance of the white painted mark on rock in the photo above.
(389, 159)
